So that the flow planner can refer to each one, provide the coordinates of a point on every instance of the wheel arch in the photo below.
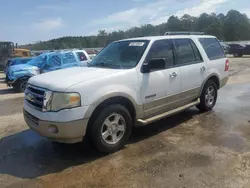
(20, 78)
(123, 99)
(214, 77)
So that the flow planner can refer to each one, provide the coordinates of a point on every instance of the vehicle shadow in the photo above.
(2, 80)
(27, 155)
(7, 91)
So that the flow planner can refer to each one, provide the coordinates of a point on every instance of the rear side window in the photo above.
(54, 61)
(162, 49)
(82, 56)
(212, 48)
(185, 52)
(68, 58)
(197, 54)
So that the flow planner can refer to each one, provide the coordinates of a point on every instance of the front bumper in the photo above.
(65, 132)
(9, 81)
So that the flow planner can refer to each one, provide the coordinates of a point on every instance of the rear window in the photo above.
(212, 48)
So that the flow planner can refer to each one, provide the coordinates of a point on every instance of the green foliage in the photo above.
(230, 27)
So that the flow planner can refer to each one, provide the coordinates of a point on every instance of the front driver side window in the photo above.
(162, 49)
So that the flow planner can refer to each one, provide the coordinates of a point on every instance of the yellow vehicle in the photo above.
(19, 52)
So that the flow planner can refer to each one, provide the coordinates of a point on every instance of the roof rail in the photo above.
(184, 33)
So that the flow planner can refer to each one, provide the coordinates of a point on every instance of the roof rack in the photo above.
(184, 33)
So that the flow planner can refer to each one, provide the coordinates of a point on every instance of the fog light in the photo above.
(53, 129)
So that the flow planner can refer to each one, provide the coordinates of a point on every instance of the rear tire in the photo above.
(111, 130)
(21, 84)
(208, 96)
(239, 54)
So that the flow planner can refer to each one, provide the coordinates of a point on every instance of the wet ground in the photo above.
(187, 150)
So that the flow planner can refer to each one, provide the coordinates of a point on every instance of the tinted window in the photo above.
(162, 49)
(184, 51)
(212, 48)
(120, 55)
(68, 58)
(81, 56)
(25, 53)
(197, 54)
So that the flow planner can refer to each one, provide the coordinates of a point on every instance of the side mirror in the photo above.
(153, 65)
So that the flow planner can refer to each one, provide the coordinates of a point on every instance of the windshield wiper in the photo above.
(108, 65)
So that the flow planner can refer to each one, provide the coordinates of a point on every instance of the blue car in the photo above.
(16, 61)
(18, 75)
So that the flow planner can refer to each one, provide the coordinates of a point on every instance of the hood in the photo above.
(22, 67)
(62, 79)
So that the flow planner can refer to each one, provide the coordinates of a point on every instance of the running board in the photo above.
(165, 114)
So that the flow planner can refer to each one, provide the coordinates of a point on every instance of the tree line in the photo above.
(233, 26)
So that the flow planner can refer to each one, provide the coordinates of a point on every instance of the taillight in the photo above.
(227, 65)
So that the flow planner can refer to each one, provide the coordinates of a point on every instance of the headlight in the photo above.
(55, 101)
(34, 71)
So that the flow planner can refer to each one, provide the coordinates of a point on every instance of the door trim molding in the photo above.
(170, 102)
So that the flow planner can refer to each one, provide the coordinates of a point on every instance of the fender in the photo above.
(27, 77)
(96, 103)
(208, 77)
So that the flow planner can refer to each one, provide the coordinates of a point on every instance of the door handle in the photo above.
(203, 68)
(173, 74)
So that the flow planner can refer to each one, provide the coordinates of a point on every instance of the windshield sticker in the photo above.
(136, 44)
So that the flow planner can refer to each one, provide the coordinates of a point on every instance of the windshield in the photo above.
(122, 55)
(38, 61)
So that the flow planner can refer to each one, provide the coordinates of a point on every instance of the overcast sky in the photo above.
(29, 21)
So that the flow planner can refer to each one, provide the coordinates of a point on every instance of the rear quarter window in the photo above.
(81, 56)
(212, 48)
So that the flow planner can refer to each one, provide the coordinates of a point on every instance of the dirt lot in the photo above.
(187, 150)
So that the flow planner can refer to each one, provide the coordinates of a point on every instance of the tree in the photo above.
(231, 27)
(174, 24)
(236, 26)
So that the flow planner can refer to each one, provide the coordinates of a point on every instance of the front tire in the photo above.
(208, 96)
(111, 130)
(21, 84)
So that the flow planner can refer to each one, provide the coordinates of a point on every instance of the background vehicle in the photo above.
(239, 49)
(225, 47)
(6, 51)
(131, 82)
(18, 75)
(19, 52)
(16, 61)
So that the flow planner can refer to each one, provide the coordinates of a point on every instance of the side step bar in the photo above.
(168, 113)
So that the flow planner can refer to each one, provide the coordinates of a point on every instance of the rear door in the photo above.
(192, 67)
(216, 57)
(160, 88)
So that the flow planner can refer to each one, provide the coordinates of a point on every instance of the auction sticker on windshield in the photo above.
(136, 44)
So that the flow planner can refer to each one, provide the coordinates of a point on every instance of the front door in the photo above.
(193, 68)
(160, 89)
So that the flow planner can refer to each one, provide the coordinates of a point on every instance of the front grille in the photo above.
(35, 96)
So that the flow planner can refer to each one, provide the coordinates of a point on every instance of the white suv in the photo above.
(129, 83)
